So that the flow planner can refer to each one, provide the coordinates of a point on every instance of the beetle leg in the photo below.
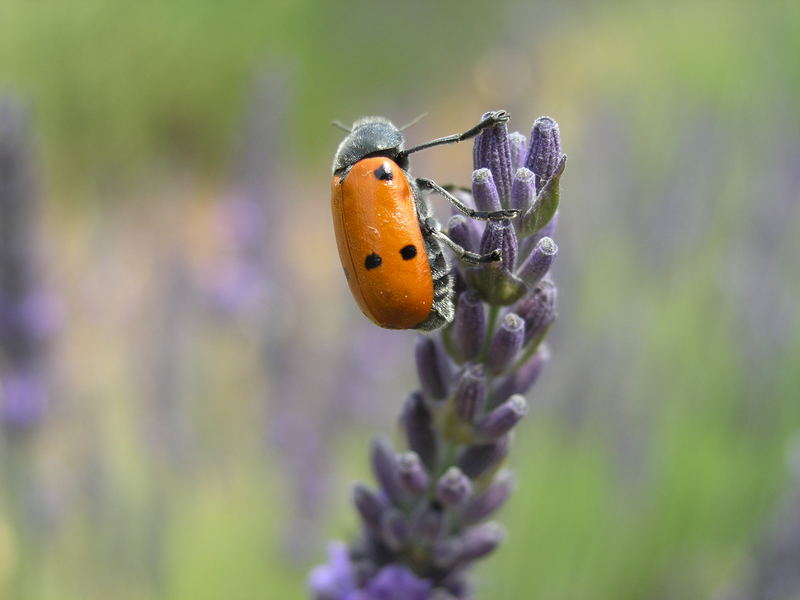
(481, 215)
(494, 118)
(473, 258)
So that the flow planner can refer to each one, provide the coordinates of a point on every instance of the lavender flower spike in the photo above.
(425, 526)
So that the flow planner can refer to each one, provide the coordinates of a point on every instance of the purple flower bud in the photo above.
(427, 524)
(470, 396)
(473, 544)
(523, 189)
(413, 475)
(506, 344)
(432, 368)
(477, 460)
(481, 506)
(394, 529)
(394, 582)
(492, 151)
(480, 541)
(370, 504)
(454, 488)
(544, 151)
(417, 422)
(469, 325)
(484, 191)
(462, 232)
(500, 235)
(385, 468)
(519, 149)
(538, 310)
(23, 400)
(334, 580)
(521, 380)
(538, 262)
(502, 419)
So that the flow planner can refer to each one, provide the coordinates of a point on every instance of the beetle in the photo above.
(390, 245)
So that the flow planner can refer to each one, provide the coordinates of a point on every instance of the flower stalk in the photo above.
(425, 525)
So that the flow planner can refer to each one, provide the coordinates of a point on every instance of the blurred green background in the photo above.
(201, 441)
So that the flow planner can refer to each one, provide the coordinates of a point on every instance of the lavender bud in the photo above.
(480, 541)
(427, 524)
(502, 419)
(521, 380)
(413, 475)
(538, 262)
(483, 505)
(484, 191)
(394, 529)
(523, 189)
(418, 424)
(334, 579)
(473, 544)
(432, 368)
(538, 310)
(469, 326)
(470, 396)
(454, 488)
(492, 151)
(370, 504)
(477, 460)
(384, 466)
(544, 151)
(519, 149)
(500, 235)
(506, 344)
(393, 581)
(461, 230)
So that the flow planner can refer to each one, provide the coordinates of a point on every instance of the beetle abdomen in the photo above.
(381, 245)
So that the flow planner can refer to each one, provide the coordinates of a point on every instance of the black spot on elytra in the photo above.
(384, 172)
(346, 274)
(408, 252)
(373, 261)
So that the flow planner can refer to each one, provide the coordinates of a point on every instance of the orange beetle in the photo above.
(388, 241)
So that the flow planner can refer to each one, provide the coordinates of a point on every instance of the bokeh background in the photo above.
(211, 387)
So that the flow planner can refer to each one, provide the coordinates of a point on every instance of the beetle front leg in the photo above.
(432, 226)
(492, 119)
(482, 215)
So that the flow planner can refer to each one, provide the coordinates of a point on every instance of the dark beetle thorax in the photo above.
(371, 136)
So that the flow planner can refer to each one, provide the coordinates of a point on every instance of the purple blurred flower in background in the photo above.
(425, 525)
(28, 316)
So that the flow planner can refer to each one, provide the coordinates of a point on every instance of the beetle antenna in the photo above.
(341, 125)
(414, 121)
